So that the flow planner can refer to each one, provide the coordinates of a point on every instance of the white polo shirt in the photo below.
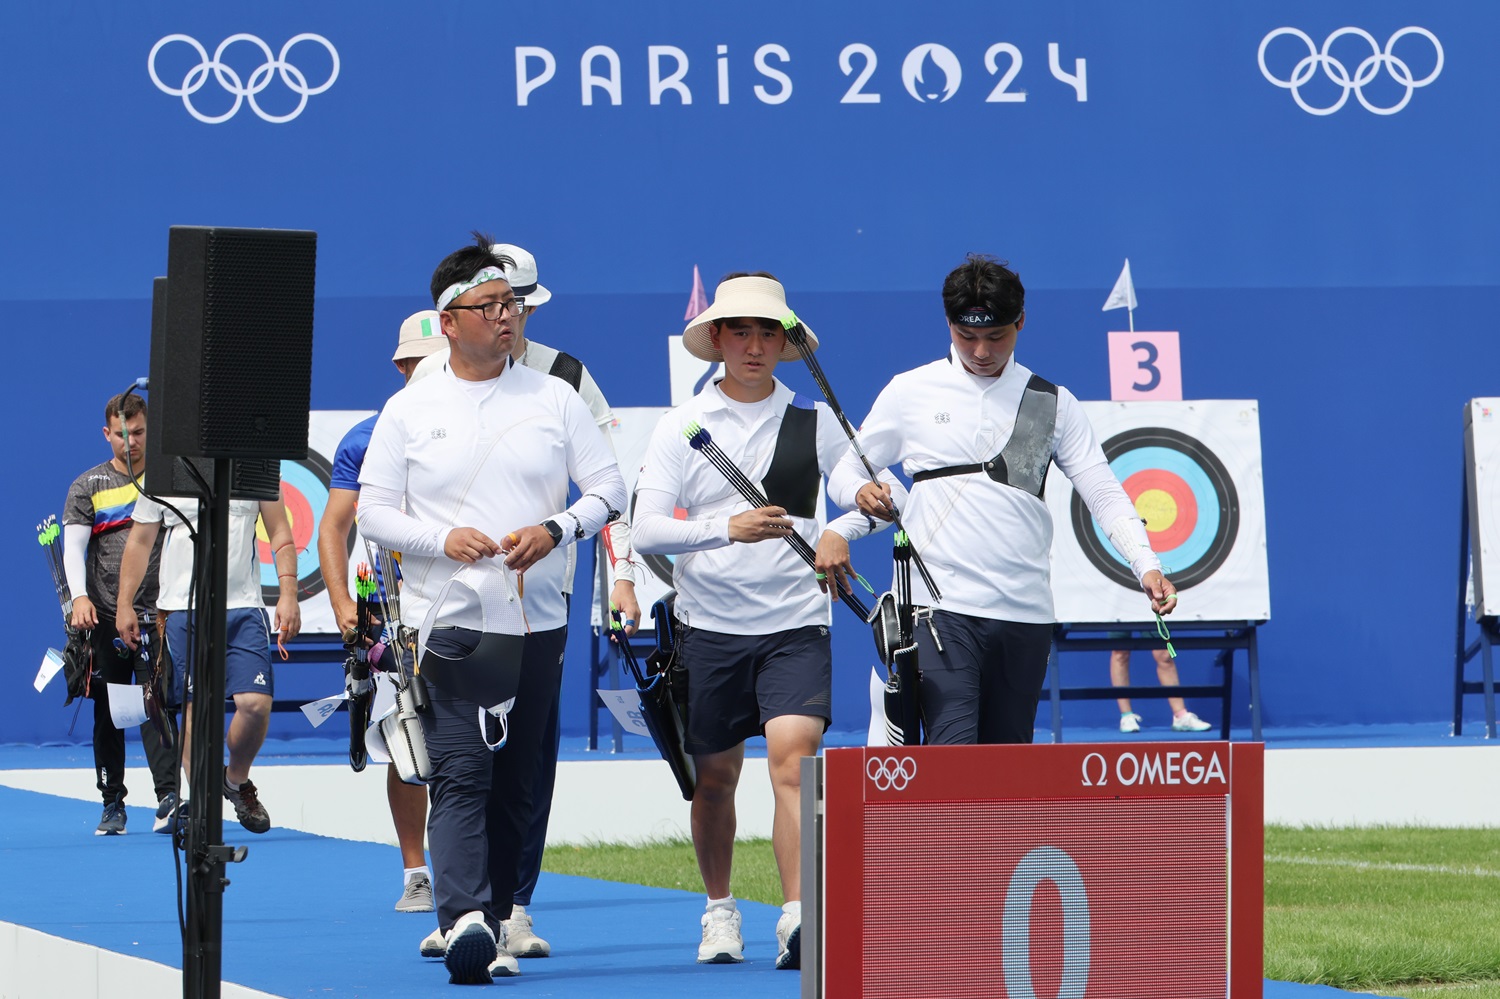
(988, 545)
(495, 456)
(742, 589)
(177, 552)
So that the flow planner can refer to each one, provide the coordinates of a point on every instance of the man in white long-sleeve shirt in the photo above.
(754, 617)
(467, 468)
(522, 276)
(977, 431)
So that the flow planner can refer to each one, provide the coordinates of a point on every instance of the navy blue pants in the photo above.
(984, 686)
(481, 802)
(535, 843)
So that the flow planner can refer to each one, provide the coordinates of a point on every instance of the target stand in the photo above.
(1224, 636)
(1477, 533)
(1193, 472)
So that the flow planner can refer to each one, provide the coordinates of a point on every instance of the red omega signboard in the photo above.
(1041, 872)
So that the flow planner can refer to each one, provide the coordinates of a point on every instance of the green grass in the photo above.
(1406, 912)
(670, 864)
(1393, 910)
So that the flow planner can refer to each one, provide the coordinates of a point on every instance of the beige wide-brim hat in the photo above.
(751, 297)
(421, 335)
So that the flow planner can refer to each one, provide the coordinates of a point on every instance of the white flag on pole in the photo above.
(1123, 295)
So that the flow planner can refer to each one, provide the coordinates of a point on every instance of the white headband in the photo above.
(454, 290)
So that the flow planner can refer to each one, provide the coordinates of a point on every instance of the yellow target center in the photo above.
(1157, 508)
(260, 527)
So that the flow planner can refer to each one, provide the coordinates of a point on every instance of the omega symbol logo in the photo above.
(1364, 73)
(274, 65)
(890, 773)
(920, 69)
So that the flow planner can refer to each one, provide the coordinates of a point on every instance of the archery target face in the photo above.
(1482, 447)
(1192, 470)
(304, 491)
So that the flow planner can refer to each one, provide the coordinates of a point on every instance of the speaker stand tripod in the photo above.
(207, 856)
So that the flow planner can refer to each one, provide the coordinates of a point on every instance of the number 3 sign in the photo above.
(1144, 366)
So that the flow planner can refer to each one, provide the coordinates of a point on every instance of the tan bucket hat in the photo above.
(752, 297)
(421, 334)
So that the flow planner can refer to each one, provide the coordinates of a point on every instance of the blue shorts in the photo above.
(247, 652)
(737, 683)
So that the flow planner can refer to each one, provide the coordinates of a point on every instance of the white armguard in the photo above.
(1128, 535)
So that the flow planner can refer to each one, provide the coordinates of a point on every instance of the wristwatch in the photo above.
(554, 530)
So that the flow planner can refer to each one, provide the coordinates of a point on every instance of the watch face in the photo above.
(553, 529)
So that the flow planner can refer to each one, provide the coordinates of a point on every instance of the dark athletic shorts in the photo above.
(737, 683)
(247, 653)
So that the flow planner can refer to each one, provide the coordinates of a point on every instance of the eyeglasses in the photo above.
(492, 311)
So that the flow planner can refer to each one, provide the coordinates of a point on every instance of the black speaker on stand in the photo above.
(231, 378)
(172, 476)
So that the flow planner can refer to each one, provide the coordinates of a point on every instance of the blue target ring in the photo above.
(1204, 531)
(304, 488)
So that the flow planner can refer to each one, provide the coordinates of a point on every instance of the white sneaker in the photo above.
(471, 947)
(1189, 722)
(1130, 722)
(434, 944)
(789, 939)
(519, 938)
(722, 942)
(504, 965)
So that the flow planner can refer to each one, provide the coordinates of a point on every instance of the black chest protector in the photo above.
(792, 480)
(568, 368)
(1024, 459)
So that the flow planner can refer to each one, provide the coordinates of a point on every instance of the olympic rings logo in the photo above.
(891, 774)
(230, 80)
(1336, 71)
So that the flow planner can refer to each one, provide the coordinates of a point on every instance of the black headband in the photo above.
(981, 315)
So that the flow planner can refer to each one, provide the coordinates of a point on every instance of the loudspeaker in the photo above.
(236, 373)
(169, 475)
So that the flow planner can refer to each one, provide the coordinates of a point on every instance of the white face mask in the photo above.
(490, 673)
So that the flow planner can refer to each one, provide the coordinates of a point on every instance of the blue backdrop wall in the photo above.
(1306, 193)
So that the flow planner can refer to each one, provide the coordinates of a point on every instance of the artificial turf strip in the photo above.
(1405, 911)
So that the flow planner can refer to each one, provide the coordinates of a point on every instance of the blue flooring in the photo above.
(310, 916)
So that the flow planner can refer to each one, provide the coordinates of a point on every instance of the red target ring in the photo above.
(300, 512)
(1166, 503)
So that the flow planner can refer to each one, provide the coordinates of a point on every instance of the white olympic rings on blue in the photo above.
(1364, 73)
(260, 79)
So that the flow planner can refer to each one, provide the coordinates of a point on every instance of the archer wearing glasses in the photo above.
(492, 311)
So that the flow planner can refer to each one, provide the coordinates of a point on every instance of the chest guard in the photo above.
(792, 480)
(1024, 459)
(568, 368)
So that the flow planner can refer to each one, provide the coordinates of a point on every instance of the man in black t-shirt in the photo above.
(96, 522)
